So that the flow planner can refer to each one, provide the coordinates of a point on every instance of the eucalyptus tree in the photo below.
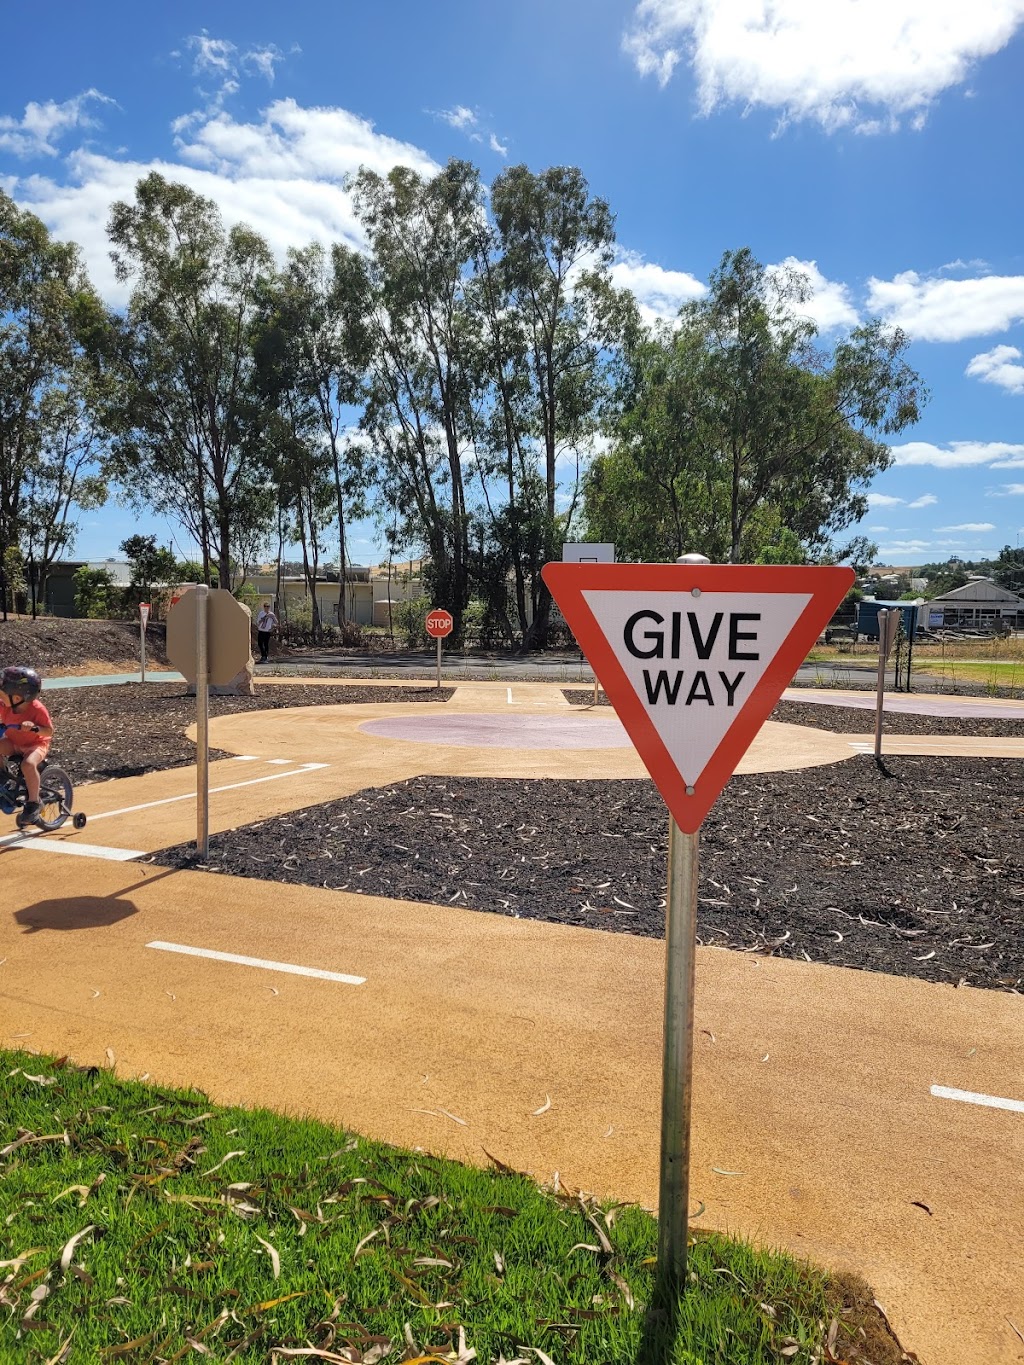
(183, 354)
(66, 476)
(421, 235)
(739, 430)
(48, 320)
(555, 242)
(313, 351)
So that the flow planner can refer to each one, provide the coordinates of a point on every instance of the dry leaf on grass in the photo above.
(69, 1247)
(275, 1259)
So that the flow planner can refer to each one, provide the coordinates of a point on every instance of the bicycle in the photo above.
(56, 793)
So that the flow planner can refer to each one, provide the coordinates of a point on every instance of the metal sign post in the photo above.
(677, 1064)
(677, 1061)
(143, 619)
(888, 625)
(439, 661)
(202, 724)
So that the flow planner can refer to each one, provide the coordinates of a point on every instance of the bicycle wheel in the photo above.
(56, 796)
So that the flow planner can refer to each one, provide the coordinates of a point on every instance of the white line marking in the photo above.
(191, 796)
(245, 758)
(40, 844)
(280, 760)
(946, 1092)
(510, 696)
(269, 966)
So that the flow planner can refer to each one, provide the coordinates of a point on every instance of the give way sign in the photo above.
(693, 657)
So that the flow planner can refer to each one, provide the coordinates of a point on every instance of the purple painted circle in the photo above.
(503, 732)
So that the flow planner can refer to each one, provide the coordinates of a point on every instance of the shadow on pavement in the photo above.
(75, 912)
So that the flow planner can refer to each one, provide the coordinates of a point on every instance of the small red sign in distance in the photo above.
(439, 623)
(693, 657)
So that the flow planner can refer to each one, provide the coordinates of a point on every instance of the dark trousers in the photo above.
(263, 639)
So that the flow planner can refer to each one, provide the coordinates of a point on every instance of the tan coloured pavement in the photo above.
(811, 1081)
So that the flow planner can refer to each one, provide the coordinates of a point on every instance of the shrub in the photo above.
(410, 618)
(94, 592)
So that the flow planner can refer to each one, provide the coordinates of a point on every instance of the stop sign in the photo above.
(439, 623)
(227, 635)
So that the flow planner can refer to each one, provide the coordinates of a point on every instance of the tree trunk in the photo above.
(342, 606)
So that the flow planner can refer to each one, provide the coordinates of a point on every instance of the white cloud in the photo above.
(976, 264)
(828, 62)
(828, 304)
(1002, 366)
(460, 117)
(36, 132)
(1006, 490)
(213, 56)
(960, 454)
(902, 547)
(948, 310)
(468, 121)
(659, 292)
(969, 526)
(283, 175)
(263, 60)
(887, 500)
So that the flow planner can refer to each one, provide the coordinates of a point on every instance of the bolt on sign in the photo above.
(693, 657)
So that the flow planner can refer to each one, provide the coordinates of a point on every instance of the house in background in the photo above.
(371, 594)
(980, 604)
(58, 597)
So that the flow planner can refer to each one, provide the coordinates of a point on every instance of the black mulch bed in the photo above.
(122, 730)
(921, 874)
(852, 720)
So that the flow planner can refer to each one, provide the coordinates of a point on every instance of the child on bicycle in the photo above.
(27, 731)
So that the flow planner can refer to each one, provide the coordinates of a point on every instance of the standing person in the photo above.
(28, 730)
(266, 624)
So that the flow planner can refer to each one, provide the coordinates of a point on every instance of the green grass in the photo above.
(140, 1224)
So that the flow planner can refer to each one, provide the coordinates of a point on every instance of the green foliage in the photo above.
(191, 571)
(249, 597)
(95, 593)
(736, 429)
(186, 400)
(170, 1221)
(410, 618)
(152, 566)
(48, 317)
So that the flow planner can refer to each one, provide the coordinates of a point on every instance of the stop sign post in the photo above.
(143, 619)
(439, 624)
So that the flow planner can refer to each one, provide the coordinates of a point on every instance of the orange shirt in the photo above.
(23, 740)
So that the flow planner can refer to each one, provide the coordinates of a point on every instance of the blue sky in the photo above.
(878, 142)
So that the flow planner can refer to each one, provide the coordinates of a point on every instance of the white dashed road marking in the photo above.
(191, 796)
(41, 844)
(946, 1092)
(264, 963)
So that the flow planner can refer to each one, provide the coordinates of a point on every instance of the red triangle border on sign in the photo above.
(826, 585)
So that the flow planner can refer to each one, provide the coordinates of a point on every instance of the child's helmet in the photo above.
(22, 682)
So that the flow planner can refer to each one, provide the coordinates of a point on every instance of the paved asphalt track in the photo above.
(861, 1120)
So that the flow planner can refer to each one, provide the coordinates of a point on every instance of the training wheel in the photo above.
(78, 820)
